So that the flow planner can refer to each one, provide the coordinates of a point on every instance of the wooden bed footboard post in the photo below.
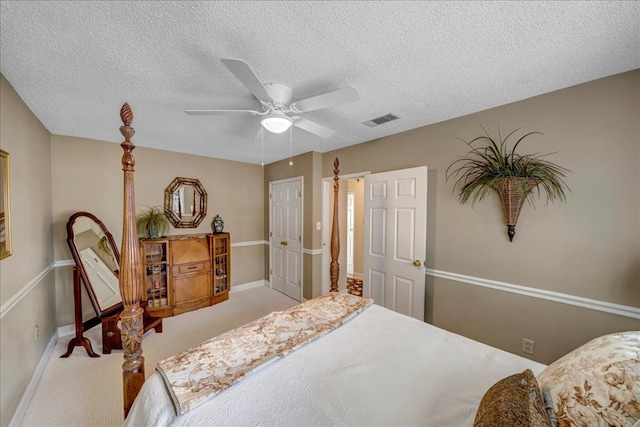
(334, 267)
(131, 320)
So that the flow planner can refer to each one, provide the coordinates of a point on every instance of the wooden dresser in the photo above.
(183, 272)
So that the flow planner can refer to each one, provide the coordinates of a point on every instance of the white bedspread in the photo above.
(202, 372)
(381, 368)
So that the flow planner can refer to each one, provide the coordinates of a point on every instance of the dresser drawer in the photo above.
(190, 268)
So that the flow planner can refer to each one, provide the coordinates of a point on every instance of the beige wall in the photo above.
(588, 247)
(29, 267)
(87, 176)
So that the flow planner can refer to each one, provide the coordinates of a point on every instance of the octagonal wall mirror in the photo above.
(185, 202)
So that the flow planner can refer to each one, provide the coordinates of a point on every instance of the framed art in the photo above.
(5, 206)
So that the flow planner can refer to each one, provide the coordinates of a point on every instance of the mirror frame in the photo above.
(5, 216)
(100, 312)
(177, 221)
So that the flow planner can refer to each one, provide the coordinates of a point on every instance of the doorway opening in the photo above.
(350, 230)
(350, 225)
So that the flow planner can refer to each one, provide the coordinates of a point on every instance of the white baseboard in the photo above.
(66, 330)
(21, 410)
(246, 286)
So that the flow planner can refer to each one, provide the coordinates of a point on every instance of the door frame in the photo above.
(301, 218)
(327, 198)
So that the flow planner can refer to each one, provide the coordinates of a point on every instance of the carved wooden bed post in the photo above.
(334, 267)
(131, 321)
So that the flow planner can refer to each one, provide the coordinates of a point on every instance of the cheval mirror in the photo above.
(97, 260)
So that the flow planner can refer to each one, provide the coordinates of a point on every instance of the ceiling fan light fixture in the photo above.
(276, 123)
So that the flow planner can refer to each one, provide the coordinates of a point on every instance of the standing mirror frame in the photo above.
(5, 206)
(185, 202)
(104, 297)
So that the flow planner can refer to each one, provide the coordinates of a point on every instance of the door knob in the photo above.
(284, 243)
(417, 263)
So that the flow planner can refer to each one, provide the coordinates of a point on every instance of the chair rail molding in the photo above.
(249, 243)
(591, 304)
(604, 306)
(17, 297)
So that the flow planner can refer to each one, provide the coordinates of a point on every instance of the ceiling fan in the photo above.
(278, 112)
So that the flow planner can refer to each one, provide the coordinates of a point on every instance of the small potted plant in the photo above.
(152, 223)
(495, 167)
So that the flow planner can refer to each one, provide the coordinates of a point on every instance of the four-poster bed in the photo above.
(337, 359)
(131, 276)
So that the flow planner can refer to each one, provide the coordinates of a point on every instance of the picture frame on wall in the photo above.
(5, 206)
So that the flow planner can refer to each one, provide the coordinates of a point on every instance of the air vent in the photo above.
(380, 120)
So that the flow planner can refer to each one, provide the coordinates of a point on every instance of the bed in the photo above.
(339, 359)
(370, 371)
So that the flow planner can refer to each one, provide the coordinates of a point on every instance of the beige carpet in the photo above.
(84, 391)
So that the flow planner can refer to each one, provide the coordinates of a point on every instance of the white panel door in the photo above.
(395, 239)
(285, 238)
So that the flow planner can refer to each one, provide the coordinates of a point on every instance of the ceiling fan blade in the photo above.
(314, 128)
(219, 112)
(245, 74)
(329, 99)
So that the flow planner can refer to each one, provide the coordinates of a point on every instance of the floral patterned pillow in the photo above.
(598, 384)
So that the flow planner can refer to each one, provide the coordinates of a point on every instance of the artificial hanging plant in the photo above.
(513, 176)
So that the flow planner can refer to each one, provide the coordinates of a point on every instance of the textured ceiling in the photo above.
(75, 63)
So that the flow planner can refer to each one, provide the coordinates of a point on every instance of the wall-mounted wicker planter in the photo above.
(512, 176)
(512, 193)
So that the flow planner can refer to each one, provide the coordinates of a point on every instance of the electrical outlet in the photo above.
(36, 332)
(527, 345)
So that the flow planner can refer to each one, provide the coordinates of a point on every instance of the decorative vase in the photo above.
(217, 225)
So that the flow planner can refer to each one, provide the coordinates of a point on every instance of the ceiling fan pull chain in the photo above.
(290, 145)
(262, 143)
